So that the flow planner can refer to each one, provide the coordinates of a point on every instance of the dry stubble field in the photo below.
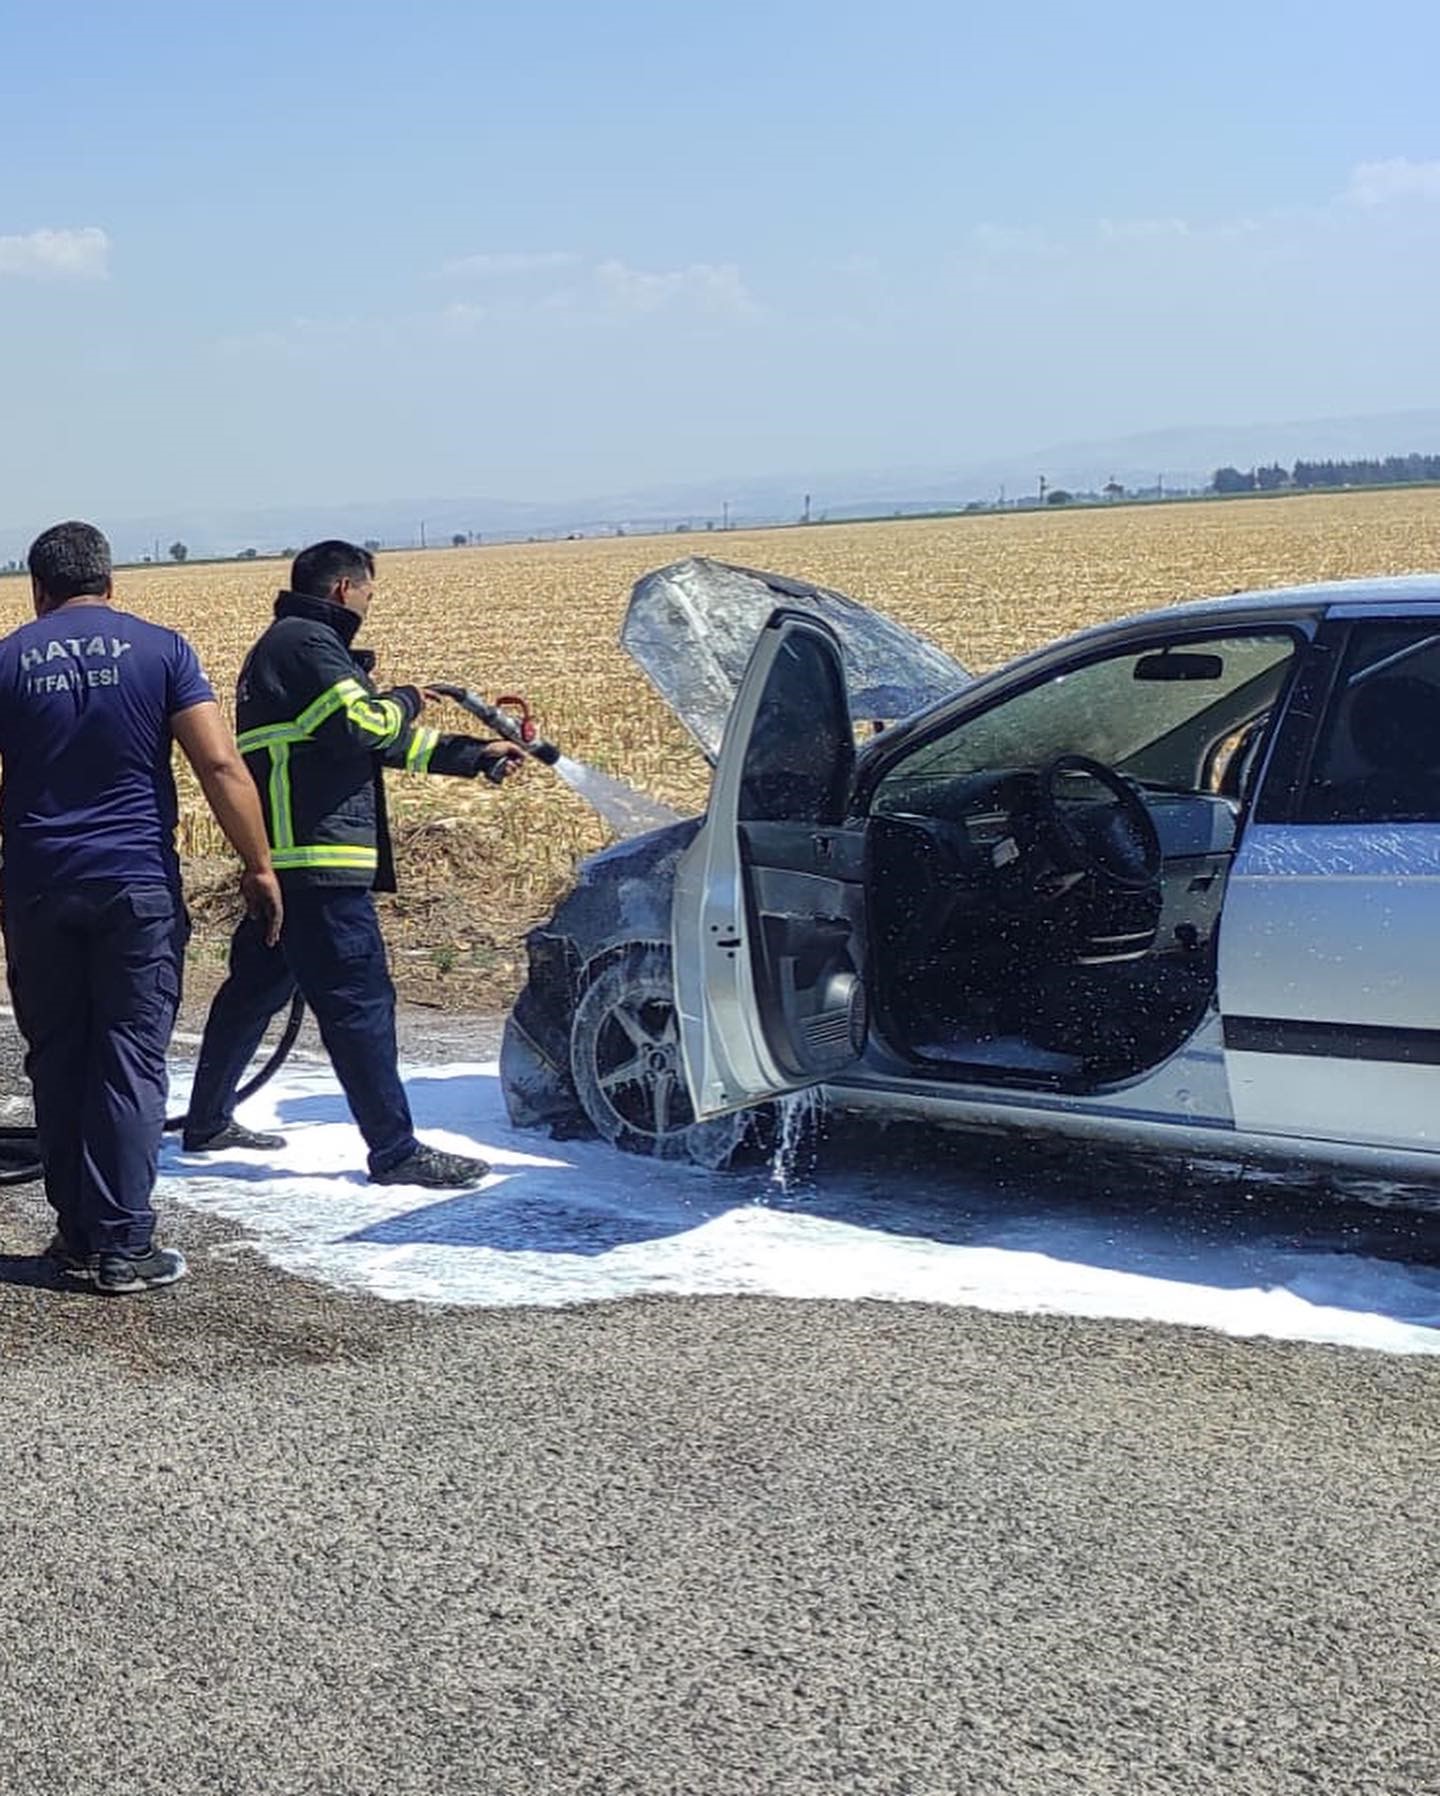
(479, 866)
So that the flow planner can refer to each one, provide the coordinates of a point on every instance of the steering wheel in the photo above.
(1116, 842)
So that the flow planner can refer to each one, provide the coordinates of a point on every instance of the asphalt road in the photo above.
(262, 1537)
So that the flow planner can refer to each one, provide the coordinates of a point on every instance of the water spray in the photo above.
(628, 812)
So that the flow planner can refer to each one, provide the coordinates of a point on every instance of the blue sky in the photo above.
(267, 253)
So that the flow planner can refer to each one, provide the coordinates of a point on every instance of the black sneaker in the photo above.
(120, 1274)
(435, 1170)
(72, 1264)
(232, 1135)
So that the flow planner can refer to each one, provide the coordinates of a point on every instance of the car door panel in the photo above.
(1329, 956)
(769, 911)
(1330, 983)
(805, 929)
(824, 852)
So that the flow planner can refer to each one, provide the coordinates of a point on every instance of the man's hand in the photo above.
(264, 902)
(498, 760)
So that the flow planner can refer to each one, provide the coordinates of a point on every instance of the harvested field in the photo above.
(479, 866)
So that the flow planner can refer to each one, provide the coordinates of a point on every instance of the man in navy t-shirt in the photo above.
(91, 699)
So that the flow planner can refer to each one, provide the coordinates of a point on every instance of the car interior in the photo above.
(1045, 877)
(1380, 761)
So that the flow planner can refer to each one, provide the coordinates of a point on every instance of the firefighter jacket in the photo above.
(317, 736)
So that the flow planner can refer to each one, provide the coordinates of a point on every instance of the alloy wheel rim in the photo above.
(637, 1064)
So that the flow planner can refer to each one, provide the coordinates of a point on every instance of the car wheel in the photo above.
(625, 1060)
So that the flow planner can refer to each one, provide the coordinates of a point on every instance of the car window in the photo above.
(1164, 716)
(801, 750)
(1378, 755)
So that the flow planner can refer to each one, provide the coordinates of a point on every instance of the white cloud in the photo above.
(507, 264)
(713, 288)
(997, 240)
(57, 255)
(597, 294)
(1142, 230)
(461, 317)
(609, 287)
(1140, 233)
(303, 337)
(1384, 183)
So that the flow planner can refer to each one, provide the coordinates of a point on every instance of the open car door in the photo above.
(769, 912)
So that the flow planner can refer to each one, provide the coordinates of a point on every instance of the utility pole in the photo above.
(1159, 486)
(422, 533)
(1043, 484)
(726, 524)
(806, 518)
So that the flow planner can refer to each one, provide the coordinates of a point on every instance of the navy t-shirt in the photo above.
(86, 698)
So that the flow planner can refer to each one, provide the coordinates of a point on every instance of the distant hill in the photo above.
(1183, 458)
(1189, 457)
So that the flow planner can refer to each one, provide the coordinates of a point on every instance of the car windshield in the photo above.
(1155, 721)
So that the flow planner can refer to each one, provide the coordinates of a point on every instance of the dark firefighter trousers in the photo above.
(332, 949)
(95, 971)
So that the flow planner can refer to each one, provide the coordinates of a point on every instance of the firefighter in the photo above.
(317, 737)
(95, 926)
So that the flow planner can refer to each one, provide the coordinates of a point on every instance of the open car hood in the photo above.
(691, 627)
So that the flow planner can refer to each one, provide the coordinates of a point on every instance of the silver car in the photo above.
(1172, 883)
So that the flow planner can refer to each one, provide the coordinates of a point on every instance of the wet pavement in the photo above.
(268, 1535)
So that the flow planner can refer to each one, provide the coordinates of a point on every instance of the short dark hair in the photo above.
(69, 560)
(316, 569)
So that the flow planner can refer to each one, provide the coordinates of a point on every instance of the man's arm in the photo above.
(422, 750)
(230, 792)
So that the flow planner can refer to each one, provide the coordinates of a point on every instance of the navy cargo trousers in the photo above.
(95, 972)
(332, 949)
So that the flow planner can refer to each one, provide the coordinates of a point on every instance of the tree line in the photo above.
(1389, 470)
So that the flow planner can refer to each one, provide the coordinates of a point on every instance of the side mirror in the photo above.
(1178, 664)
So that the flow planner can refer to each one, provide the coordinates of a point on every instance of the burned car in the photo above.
(1167, 884)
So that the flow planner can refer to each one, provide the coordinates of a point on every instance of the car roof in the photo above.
(1383, 592)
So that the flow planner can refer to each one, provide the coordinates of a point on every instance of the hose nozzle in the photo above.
(509, 717)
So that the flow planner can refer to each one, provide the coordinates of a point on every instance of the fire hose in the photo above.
(20, 1162)
(510, 718)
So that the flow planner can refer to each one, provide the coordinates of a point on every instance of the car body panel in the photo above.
(1330, 982)
(691, 628)
(1021, 1117)
(621, 896)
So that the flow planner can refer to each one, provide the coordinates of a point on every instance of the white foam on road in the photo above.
(567, 1223)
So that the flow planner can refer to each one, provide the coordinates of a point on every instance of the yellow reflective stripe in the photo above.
(361, 712)
(422, 746)
(383, 718)
(282, 819)
(335, 698)
(363, 859)
(253, 740)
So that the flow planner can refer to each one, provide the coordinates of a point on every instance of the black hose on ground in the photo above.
(20, 1163)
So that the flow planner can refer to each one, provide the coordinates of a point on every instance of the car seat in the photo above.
(1395, 729)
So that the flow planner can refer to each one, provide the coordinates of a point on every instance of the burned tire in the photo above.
(625, 1061)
